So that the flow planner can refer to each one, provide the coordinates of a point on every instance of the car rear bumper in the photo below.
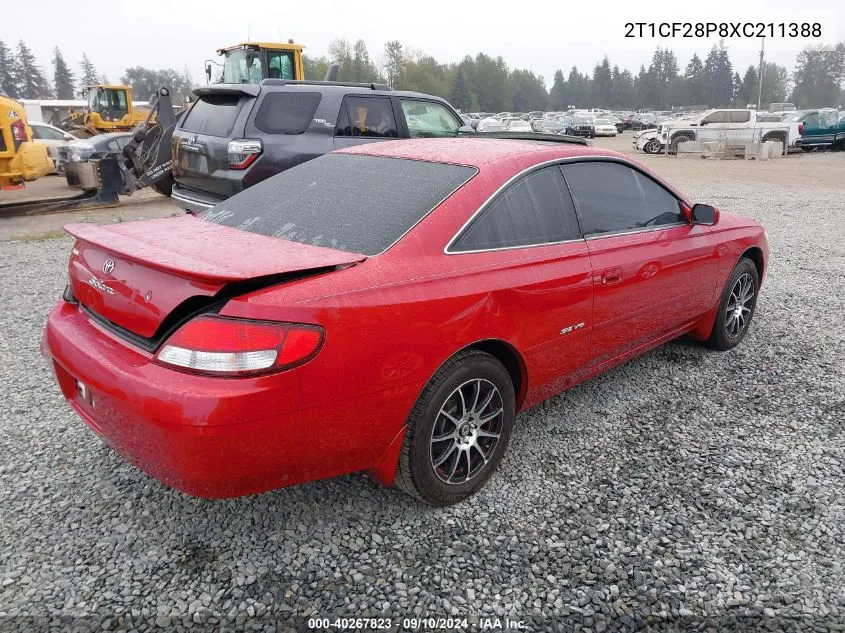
(193, 201)
(208, 437)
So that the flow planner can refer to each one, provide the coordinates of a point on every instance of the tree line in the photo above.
(487, 83)
(22, 78)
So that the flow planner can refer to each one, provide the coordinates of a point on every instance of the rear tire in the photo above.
(736, 307)
(458, 430)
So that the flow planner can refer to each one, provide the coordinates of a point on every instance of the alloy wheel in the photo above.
(466, 431)
(740, 304)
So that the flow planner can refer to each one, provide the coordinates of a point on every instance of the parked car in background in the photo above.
(290, 336)
(580, 126)
(819, 129)
(604, 127)
(53, 138)
(735, 126)
(643, 121)
(97, 147)
(235, 136)
(647, 141)
(490, 124)
(548, 126)
(518, 125)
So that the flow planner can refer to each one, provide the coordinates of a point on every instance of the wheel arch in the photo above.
(510, 357)
(755, 254)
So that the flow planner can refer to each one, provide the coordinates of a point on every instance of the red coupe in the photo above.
(388, 308)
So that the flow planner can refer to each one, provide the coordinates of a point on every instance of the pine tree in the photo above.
(62, 76)
(31, 81)
(460, 96)
(695, 80)
(602, 83)
(557, 95)
(8, 81)
(394, 64)
(88, 75)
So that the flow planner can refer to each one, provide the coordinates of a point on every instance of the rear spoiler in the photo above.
(249, 90)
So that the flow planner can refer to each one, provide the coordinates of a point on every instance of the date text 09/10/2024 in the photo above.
(418, 623)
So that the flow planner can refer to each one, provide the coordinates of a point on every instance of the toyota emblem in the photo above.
(108, 266)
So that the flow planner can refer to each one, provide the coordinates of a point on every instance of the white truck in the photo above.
(734, 126)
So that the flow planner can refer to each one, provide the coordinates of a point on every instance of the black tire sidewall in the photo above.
(719, 338)
(428, 485)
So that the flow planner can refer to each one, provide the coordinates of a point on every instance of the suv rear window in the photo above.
(214, 115)
(360, 204)
(287, 112)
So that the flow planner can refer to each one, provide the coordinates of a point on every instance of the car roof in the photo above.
(477, 152)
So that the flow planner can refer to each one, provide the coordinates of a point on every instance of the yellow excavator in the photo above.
(20, 159)
(109, 109)
(250, 62)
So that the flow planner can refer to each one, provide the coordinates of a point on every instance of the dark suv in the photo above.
(236, 135)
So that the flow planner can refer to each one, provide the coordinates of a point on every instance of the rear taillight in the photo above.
(800, 129)
(243, 152)
(221, 346)
(18, 131)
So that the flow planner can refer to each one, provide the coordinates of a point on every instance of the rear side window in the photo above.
(740, 117)
(613, 198)
(360, 204)
(369, 117)
(214, 115)
(287, 112)
(535, 210)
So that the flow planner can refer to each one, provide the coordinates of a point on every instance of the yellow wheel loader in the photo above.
(20, 159)
(250, 62)
(109, 109)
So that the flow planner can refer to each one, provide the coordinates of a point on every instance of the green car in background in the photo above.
(820, 128)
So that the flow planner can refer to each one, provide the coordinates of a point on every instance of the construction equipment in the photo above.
(250, 62)
(144, 162)
(20, 159)
(109, 109)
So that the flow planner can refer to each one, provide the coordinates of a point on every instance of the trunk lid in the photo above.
(200, 142)
(136, 274)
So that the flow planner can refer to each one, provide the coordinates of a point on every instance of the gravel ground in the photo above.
(683, 489)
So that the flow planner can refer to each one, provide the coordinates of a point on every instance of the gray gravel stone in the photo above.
(685, 488)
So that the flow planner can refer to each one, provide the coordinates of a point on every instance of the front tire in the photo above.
(458, 430)
(736, 307)
(652, 147)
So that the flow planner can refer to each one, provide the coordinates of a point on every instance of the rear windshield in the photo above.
(214, 115)
(359, 204)
(287, 112)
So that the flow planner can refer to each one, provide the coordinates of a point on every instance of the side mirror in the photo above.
(69, 137)
(705, 214)
(466, 129)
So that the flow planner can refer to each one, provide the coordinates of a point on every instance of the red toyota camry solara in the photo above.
(388, 308)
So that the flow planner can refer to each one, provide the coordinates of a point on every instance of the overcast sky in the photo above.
(539, 35)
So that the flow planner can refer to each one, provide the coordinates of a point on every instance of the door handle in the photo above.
(611, 276)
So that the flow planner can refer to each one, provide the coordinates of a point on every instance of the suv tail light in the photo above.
(243, 152)
(18, 131)
(800, 129)
(223, 346)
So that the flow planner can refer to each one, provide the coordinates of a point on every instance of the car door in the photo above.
(738, 128)
(524, 253)
(653, 271)
(712, 127)
(365, 119)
